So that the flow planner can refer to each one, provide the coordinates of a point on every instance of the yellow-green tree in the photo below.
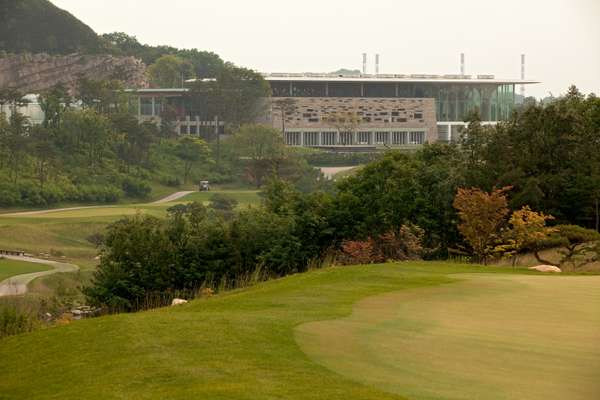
(170, 72)
(527, 231)
(481, 215)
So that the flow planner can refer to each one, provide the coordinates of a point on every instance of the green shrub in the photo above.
(171, 181)
(15, 321)
(335, 159)
(99, 194)
(9, 196)
(136, 188)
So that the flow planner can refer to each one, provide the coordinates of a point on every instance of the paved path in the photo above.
(173, 197)
(169, 198)
(17, 285)
(330, 172)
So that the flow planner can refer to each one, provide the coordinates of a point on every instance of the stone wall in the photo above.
(32, 73)
(372, 113)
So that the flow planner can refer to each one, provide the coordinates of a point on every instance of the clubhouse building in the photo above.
(386, 110)
(357, 112)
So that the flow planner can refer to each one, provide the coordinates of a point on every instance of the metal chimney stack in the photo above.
(523, 74)
(364, 71)
(462, 64)
(376, 64)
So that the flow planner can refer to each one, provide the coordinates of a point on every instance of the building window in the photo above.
(346, 138)
(419, 115)
(311, 138)
(293, 138)
(183, 130)
(328, 138)
(146, 106)
(417, 137)
(193, 129)
(399, 138)
(363, 138)
(157, 106)
(382, 137)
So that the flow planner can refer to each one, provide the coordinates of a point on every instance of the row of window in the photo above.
(358, 138)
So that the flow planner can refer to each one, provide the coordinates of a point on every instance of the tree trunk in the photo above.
(597, 216)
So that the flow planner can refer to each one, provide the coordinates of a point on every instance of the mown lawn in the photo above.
(66, 232)
(243, 197)
(242, 344)
(10, 268)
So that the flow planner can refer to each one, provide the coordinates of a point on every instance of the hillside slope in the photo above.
(38, 26)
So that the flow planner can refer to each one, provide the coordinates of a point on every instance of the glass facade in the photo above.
(454, 101)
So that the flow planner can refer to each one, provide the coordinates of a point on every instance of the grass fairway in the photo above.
(9, 268)
(243, 197)
(66, 232)
(487, 337)
(243, 344)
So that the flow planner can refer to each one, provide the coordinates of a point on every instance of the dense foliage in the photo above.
(549, 154)
(203, 64)
(400, 206)
(96, 152)
(194, 247)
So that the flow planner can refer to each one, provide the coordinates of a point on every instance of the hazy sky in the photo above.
(561, 38)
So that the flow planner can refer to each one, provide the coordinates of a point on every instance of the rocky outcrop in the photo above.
(32, 73)
(178, 302)
(546, 268)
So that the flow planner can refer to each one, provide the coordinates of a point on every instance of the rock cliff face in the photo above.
(32, 73)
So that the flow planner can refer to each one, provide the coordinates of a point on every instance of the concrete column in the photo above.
(139, 108)
(153, 104)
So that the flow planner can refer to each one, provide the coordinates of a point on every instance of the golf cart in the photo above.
(204, 186)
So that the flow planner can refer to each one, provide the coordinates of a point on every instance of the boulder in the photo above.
(178, 302)
(546, 268)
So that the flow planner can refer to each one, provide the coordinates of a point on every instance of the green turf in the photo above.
(241, 345)
(488, 337)
(244, 197)
(66, 232)
(10, 268)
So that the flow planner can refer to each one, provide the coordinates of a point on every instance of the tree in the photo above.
(14, 140)
(527, 231)
(54, 103)
(481, 216)
(44, 149)
(103, 96)
(580, 246)
(235, 96)
(286, 106)
(136, 139)
(224, 204)
(191, 151)
(262, 147)
(88, 134)
(170, 71)
(345, 123)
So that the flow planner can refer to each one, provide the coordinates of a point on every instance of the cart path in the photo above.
(17, 285)
(173, 197)
(169, 198)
